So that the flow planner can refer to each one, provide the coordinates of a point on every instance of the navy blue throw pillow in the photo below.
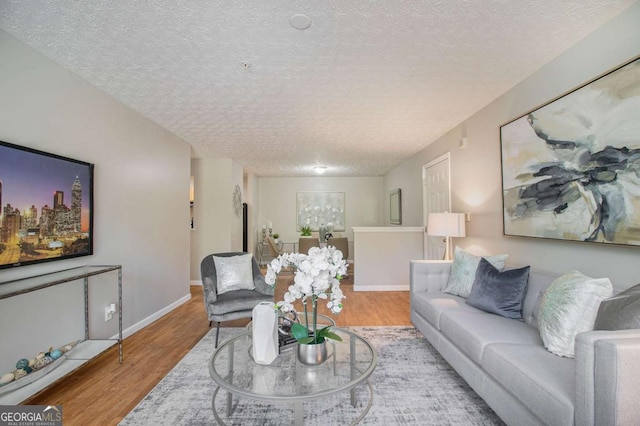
(500, 293)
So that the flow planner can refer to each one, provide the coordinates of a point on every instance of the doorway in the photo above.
(436, 198)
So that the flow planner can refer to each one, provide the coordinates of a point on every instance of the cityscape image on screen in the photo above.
(45, 206)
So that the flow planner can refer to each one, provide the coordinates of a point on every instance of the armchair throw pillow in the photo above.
(568, 307)
(234, 273)
(499, 293)
(463, 271)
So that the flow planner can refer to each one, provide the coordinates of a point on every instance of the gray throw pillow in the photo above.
(500, 293)
(463, 271)
(621, 312)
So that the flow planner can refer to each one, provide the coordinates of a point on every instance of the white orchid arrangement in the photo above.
(317, 276)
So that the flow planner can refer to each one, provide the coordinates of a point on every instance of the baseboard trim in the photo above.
(197, 282)
(153, 317)
(381, 288)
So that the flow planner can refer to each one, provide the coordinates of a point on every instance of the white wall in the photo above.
(217, 229)
(364, 201)
(476, 184)
(382, 256)
(141, 199)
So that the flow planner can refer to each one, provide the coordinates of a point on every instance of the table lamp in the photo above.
(446, 225)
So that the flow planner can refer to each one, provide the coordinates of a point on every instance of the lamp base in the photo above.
(447, 249)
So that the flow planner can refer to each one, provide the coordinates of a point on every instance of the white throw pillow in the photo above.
(568, 307)
(234, 273)
(463, 271)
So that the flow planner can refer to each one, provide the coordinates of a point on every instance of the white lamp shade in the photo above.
(446, 225)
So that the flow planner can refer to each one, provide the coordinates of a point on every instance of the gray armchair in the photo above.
(234, 304)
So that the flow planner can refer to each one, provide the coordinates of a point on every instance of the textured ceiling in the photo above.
(367, 85)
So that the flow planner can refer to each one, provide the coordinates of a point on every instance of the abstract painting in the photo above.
(571, 168)
(321, 208)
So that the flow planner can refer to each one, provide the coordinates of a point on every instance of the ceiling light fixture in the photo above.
(320, 169)
(300, 22)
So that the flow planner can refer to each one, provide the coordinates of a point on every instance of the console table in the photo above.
(85, 350)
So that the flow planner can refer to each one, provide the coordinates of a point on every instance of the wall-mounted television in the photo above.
(46, 207)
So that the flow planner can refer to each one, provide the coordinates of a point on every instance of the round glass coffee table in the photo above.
(288, 381)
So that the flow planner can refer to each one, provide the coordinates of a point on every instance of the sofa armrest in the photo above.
(429, 275)
(607, 377)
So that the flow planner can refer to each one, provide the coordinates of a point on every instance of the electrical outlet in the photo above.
(109, 311)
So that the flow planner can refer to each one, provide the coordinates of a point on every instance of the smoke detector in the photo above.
(300, 22)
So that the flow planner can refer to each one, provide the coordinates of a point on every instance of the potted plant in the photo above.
(275, 238)
(317, 276)
(305, 231)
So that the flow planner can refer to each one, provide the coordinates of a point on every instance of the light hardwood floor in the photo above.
(104, 391)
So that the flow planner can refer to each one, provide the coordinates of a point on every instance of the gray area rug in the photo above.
(412, 385)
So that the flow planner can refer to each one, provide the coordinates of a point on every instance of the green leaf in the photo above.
(305, 340)
(334, 336)
(326, 333)
(299, 331)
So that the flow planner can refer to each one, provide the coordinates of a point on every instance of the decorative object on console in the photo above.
(54, 227)
(29, 370)
(500, 293)
(264, 333)
(568, 307)
(569, 167)
(463, 271)
(317, 276)
(322, 233)
(446, 225)
(315, 208)
(620, 312)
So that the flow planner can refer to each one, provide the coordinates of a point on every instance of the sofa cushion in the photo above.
(621, 312)
(472, 331)
(537, 285)
(431, 305)
(497, 292)
(540, 380)
(568, 307)
(463, 271)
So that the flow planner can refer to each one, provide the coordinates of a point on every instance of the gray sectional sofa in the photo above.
(505, 362)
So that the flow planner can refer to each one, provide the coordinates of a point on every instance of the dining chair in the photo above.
(275, 251)
(304, 244)
(342, 244)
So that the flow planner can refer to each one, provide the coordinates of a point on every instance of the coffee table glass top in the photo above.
(350, 363)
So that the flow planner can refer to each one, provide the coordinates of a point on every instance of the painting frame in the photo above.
(59, 223)
(571, 167)
(314, 208)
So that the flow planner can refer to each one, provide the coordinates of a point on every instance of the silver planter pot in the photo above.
(312, 354)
